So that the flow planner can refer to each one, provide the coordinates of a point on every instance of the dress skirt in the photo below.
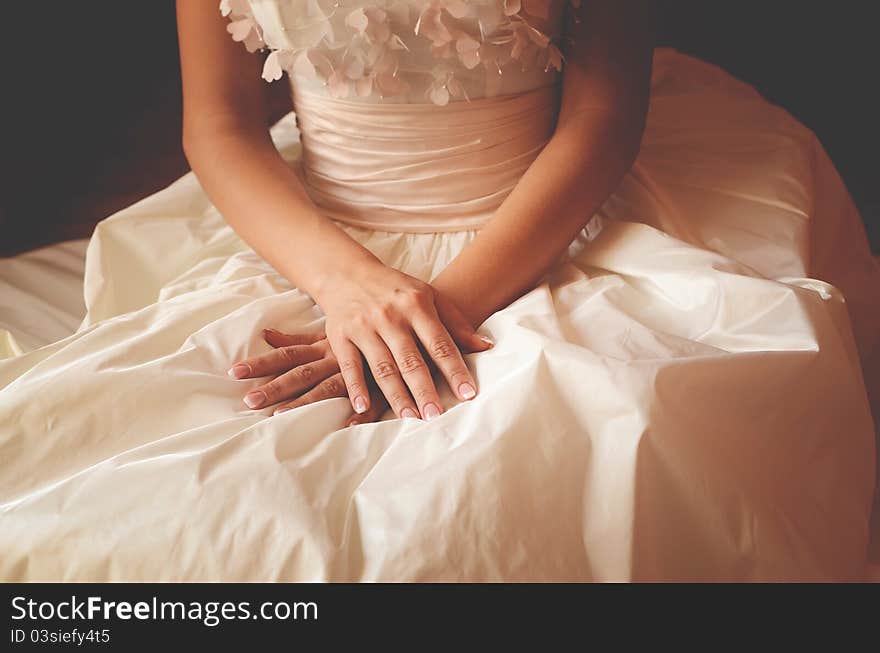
(681, 398)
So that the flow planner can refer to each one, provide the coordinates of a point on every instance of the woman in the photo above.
(372, 309)
(672, 393)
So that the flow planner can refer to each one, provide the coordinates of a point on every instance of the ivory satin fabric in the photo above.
(41, 296)
(683, 398)
(419, 167)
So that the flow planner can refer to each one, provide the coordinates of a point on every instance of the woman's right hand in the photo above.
(390, 318)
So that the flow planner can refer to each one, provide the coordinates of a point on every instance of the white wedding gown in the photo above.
(682, 398)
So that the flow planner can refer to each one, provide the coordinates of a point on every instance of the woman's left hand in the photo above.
(304, 370)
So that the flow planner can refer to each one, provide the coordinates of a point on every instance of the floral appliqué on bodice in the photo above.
(391, 48)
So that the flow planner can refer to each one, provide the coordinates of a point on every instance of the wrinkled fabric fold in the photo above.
(681, 398)
(420, 167)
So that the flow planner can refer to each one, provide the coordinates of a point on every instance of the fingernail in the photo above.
(255, 399)
(360, 405)
(409, 413)
(488, 341)
(351, 422)
(283, 410)
(240, 371)
(467, 391)
(431, 411)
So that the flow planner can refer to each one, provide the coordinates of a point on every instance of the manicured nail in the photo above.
(360, 405)
(431, 411)
(409, 413)
(255, 399)
(488, 341)
(352, 422)
(283, 409)
(467, 391)
(240, 371)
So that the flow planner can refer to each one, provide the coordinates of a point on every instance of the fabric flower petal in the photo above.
(272, 68)
(363, 46)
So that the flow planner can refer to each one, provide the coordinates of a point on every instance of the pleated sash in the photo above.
(419, 167)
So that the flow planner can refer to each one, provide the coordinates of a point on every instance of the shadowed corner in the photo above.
(102, 136)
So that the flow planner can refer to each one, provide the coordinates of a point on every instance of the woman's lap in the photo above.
(679, 399)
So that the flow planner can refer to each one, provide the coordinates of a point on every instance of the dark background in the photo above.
(92, 98)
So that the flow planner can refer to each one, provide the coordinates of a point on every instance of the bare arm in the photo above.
(369, 308)
(606, 86)
(227, 143)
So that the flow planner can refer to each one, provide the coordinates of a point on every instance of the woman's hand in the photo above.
(392, 318)
(304, 370)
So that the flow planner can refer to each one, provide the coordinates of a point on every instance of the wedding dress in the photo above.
(681, 398)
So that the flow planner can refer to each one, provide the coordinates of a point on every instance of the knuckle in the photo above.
(355, 387)
(305, 373)
(385, 312)
(384, 369)
(287, 355)
(442, 348)
(272, 390)
(359, 322)
(333, 387)
(349, 365)
(333, 333)
(411, 361)
(397, 400)
(414, 297)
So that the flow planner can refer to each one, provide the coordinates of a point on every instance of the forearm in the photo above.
(605, 92)
(569, 181)
(265, 203)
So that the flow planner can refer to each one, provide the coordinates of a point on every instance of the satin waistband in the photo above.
(419, 167)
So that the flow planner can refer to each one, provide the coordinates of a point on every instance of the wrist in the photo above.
(340, 275)
(464, 299)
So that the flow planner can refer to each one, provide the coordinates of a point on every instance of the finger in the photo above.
(274, 362)
(443, 351)
(291, 384)
(387, 376)
(413, 370)
(278, 339)
(348, 358)
(330, 388)
(377, 406)
(460, 328)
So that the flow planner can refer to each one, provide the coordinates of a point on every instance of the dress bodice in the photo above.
(411, 51)
(414, 115)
